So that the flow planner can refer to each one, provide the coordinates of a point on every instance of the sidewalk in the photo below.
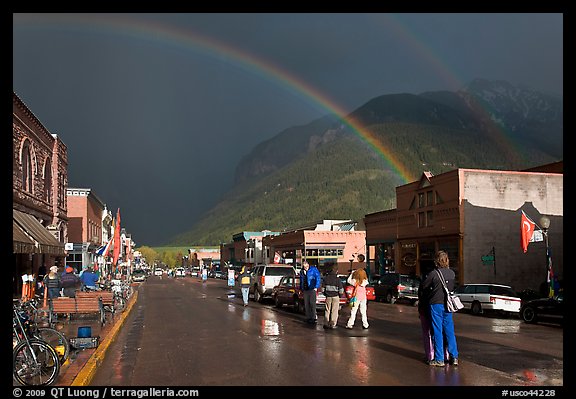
(82, 364)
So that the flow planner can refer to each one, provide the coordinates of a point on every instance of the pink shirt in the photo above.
(360, 290)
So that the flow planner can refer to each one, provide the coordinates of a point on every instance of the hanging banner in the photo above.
(230, 277)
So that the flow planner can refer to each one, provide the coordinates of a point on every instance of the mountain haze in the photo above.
(324, 170)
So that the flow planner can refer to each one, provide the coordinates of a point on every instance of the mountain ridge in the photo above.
(323, 170)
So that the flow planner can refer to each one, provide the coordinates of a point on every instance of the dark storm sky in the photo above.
(157, 109)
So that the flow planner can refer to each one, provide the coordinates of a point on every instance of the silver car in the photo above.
(266, 277)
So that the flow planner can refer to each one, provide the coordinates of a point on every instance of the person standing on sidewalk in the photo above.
(52, 283)
(310, 281)
(70, 282)
(244, 279)
(333, 288)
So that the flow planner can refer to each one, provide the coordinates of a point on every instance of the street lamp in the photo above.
(351, 260)
(545, 224)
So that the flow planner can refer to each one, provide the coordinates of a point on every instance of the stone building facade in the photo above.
(39, 180)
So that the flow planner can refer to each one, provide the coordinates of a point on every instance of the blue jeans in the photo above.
(245, 294)
(443, 329)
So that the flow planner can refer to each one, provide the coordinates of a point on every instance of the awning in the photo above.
(46, 242)
(22, 243)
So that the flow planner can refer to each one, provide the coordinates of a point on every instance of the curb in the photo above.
(87, 372)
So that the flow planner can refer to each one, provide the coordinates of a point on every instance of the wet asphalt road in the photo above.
(185, 332)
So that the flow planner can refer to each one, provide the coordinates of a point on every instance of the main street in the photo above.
(186, 332)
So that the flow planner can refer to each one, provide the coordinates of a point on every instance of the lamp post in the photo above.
(545, 224)
(351, 260)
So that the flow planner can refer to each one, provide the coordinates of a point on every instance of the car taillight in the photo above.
(400, 287)
(262, 280)
(492, 300)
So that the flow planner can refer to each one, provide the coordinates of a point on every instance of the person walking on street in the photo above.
(333, 288)
(52, 283)
(70, 282)
(359, 280)
(244, 279)
(441, 319)
(310, 281)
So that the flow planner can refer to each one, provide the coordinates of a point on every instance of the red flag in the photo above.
(526, 231)
(117, 242)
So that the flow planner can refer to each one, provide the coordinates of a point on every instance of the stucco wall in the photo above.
(492, 202)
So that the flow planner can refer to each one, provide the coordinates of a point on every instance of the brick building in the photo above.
(39, 179)
(475, 216)
(89, 226)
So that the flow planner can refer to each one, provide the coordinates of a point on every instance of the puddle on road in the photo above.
(505, 326)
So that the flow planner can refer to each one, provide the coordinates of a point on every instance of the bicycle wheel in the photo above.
(119, 303)
(35, 363)
(56, 340)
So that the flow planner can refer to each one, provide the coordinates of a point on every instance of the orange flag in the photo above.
(526, 231)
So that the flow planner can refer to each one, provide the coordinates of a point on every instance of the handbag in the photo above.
(453, 303)
(353, 298)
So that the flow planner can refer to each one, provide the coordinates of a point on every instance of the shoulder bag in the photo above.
(353, 297)
(453, 303)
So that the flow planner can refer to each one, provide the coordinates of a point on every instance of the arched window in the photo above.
(26, 167)
(48, 181)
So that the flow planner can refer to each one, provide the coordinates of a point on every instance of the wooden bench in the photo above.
(78, 305)
(107, 298)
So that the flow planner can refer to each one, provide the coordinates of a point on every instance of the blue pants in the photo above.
(443, 329)
(245, 294)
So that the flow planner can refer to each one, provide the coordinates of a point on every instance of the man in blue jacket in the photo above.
(310, 281)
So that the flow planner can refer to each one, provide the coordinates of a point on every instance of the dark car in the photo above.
(544, 309)
(391, 287)
(288, 293)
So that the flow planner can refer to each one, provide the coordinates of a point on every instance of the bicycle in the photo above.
(34, 362)
(28, 312)
(119, 301)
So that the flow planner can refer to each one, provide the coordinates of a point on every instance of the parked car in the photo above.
(265, 278)
(180, 272)
(392, 287)
(544, 309)
(479, 298)
(349, 289)
(288, 293)
(158, 271)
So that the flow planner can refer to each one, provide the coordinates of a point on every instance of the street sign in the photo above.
(488, 260)
(537, 236)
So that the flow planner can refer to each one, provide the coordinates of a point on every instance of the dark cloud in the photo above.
(157, 109)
